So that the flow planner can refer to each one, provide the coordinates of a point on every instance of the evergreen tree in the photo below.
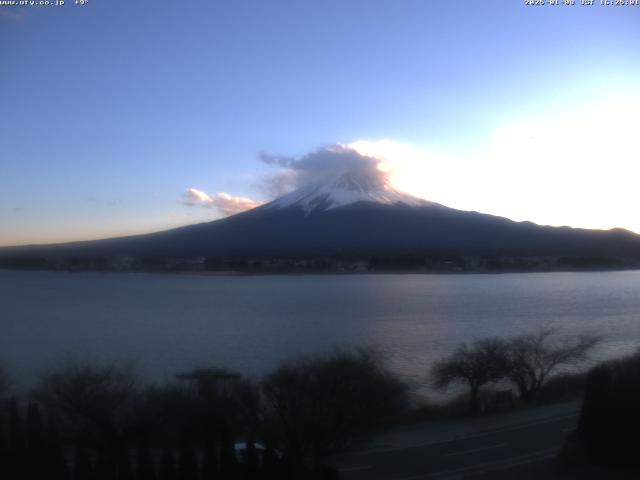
(16, 445)
(55, 461)
(270, 464)
(125, 472)
(35, 427)
(228, 460)
(145, 467)
(3, 435)
(188, 462)
(285, 467)
(4, 445)
(167, 470)
(82, 467)
(210, 460)
(106, 465)
(251, 462)
(36, 467)
(16, 427)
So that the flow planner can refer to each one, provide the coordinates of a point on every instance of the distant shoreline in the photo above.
(239, 273)
(337, 263)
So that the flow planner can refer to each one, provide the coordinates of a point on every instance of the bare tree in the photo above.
(321, 403)
(533, 357)
(476, 365)
(96, 399)
(96, 393)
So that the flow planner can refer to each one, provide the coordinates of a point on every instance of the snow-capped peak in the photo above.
(343, 189)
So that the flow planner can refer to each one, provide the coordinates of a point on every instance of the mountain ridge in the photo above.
(349, 217)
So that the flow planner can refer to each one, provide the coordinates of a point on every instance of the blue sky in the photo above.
(110, 111)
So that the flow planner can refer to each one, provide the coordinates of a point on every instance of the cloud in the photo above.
(193, 197)
(318, 165)
(223, 202)
(575, 167)
(230, 205)
(292, 173)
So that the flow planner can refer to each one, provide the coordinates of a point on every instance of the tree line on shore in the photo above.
(337, 263)
(86, 422)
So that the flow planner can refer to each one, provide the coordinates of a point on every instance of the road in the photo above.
(491, 447)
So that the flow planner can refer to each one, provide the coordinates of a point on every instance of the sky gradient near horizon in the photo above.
(112, 110)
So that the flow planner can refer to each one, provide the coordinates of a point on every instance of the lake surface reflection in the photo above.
(167, 323)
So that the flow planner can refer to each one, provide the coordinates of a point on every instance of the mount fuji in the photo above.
(357, 216)
(343, 189)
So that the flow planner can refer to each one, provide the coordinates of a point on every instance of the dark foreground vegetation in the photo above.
(607, 433)
(100, 422)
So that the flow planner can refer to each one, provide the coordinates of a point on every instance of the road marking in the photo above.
(474, 450)
(485, 433)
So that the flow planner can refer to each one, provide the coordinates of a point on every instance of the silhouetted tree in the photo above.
(56, 463)
(483, 362)
(174, 412)
(16, 442)
(98, 394)
(5, 382)
(125, 470)
(35, 427)
(187, 462)
(610, 419)
(534, 357)
(228, 461)
(17, 439)
(106, 463)
(36, 449)
(96, 399)
(167, 469)
(248, 406)
(251, 461)
(321, 403)
(4, 444)
(82, 467)
(271, 465)
(210, 459)
(145, 469)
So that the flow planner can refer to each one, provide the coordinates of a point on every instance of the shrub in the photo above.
(321, 403)
(610, 418)
(483, 362)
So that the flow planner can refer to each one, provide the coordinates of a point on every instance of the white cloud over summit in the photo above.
(292, 173)
(296, 172)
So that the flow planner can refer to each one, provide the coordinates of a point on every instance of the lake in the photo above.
(166, 323)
